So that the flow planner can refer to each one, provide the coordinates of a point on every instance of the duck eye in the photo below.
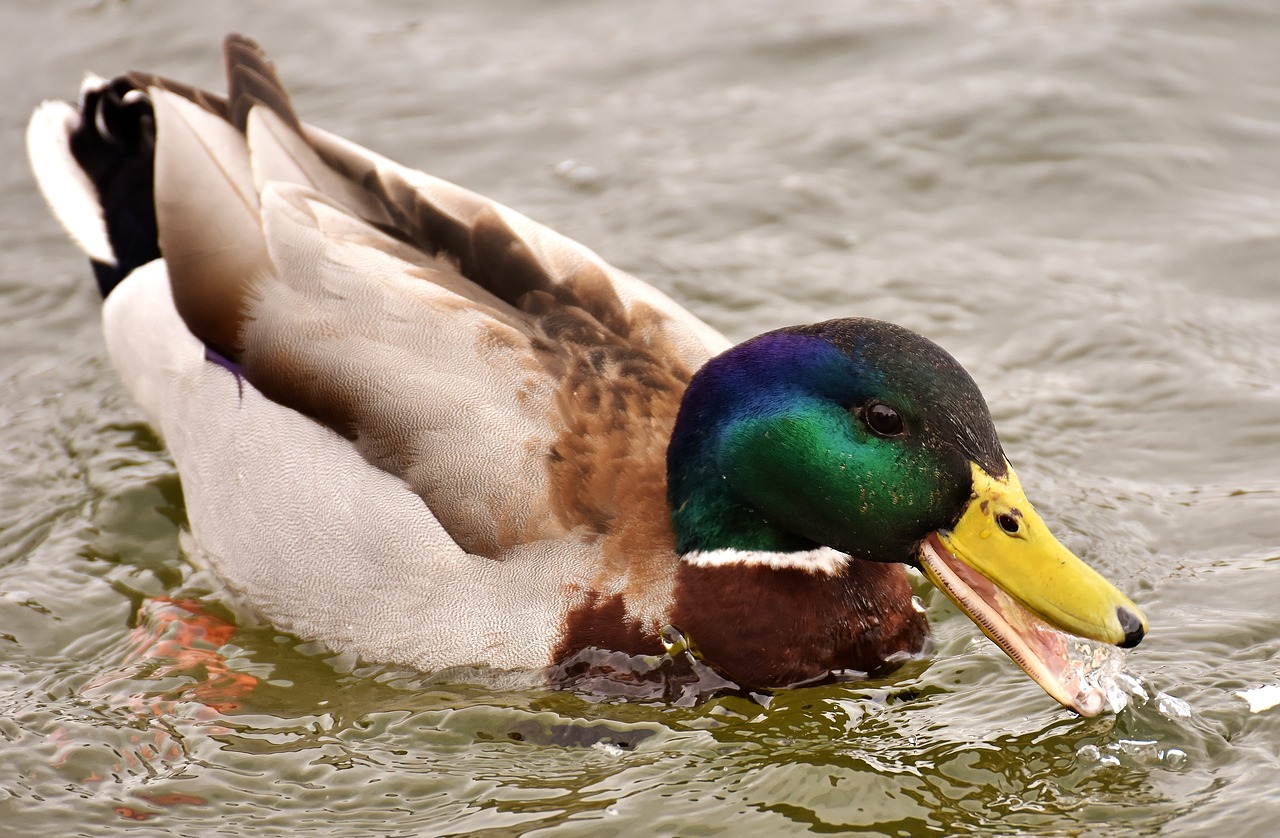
(1008, 522)
(882, 419)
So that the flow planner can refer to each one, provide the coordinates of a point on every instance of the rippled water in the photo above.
(1080, 200)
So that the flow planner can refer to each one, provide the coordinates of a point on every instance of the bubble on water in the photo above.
(1144, 751)
(577, 173)
(1132, 752)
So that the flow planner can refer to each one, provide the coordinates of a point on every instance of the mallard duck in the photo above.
(416, 426)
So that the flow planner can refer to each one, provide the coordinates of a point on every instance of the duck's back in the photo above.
(409, 421)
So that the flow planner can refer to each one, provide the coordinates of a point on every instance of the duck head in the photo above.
(863, 438)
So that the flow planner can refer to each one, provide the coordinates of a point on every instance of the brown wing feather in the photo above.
(488, 252)
(252, 82)
(482, 246)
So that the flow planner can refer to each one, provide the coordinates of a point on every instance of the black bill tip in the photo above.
(1132, 625)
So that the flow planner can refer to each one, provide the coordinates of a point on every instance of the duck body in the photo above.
(417, 426)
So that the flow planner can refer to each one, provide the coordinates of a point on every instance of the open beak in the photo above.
(1002, 567)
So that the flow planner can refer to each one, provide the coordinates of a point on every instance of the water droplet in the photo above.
(1175, 758)
(609, 748)
(1172, 708)
(673, 641)
(1131, 685)
(1116, 698)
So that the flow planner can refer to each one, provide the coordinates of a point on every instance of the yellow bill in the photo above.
(1002, 567)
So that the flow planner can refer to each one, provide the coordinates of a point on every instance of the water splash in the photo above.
(1093, 670)
(679, 677)
(1097, 672)
(1100, 668)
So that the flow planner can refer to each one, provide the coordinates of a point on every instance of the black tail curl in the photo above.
(115, 146)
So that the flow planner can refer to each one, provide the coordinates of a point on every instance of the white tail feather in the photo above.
(68, 191)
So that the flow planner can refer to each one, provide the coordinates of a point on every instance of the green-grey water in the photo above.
(1080, 200)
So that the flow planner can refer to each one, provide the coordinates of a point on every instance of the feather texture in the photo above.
(393, 355)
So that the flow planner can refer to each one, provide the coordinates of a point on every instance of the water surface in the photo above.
(1079, 200)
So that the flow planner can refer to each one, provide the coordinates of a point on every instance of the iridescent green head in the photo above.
(852, 434)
